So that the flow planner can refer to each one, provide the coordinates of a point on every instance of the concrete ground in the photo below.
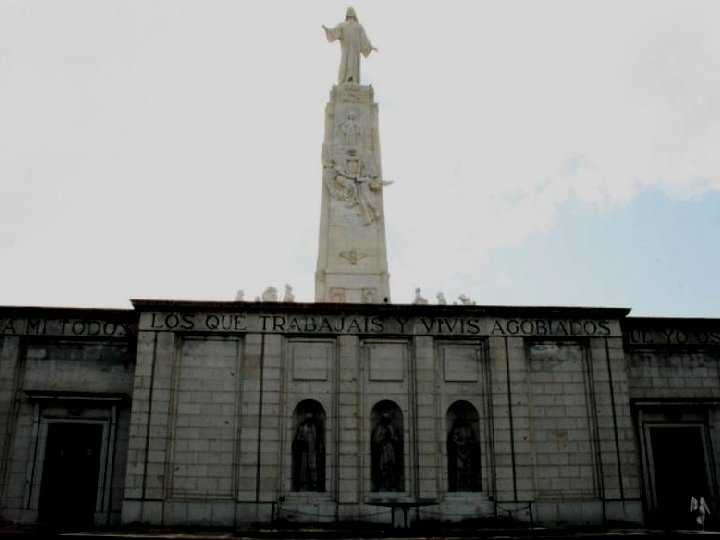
(415, 532)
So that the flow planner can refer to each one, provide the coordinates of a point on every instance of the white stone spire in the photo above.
(352, 258)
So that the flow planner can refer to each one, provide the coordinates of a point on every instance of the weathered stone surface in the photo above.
(558, 401)
(352, 259)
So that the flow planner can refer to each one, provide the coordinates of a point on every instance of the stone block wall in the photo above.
(563, 422)
(674, 388)
(201, 407)
(222, 390)
(564, 444)
(672, 358)
(63, 367)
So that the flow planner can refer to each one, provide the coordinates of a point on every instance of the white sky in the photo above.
(543, 152)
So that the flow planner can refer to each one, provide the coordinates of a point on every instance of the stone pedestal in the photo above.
(352, 257)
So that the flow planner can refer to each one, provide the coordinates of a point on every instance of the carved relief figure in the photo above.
(353, 256)
(386, 458)
(369, 296)
(351, 131)
(341, 184)
(369, 206)
(337, 294)
(353, 43)
(355, 184)
(308, 454)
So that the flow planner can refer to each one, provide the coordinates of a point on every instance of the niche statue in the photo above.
(386, 449)
(308, 454)
(463, 457)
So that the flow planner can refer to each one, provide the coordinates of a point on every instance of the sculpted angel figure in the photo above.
(360, 173)
(351, 131)
(351, 179)
(353, 42)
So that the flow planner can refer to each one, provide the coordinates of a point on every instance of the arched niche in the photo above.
(386, 447)
(308, 447)
(463, 447)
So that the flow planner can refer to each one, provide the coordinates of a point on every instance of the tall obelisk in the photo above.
(352, 257)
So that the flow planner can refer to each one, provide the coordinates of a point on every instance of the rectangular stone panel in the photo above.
(461, 363)
(673, 373)
(553, 355)
(387, 360)
(310, 360)
(70, 366)
(561, 420)
(204, 420)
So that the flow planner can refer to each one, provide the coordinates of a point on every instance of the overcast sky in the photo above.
(542, 152)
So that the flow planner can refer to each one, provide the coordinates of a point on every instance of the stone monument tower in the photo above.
(352, 258)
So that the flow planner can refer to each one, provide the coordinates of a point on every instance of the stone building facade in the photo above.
(206, 413)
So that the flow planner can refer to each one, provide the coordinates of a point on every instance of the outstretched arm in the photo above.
(331, 33)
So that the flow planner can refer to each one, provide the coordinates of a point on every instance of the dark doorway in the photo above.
(68, 492)
(680, 473)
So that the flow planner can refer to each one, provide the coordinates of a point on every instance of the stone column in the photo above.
(352, 259)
